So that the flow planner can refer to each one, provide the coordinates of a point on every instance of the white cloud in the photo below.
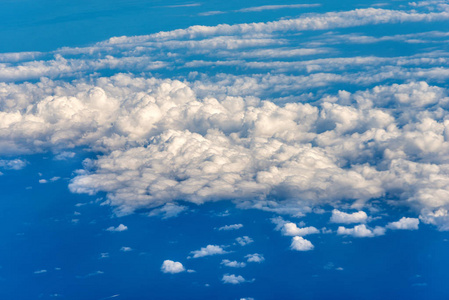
(208, 250)
(273, 140)
(231, 227)
(233, 279)
(438, 217)
(405, 224)
(348, 218)
(301, 244)
(14, 164)
(40, 272)
(119, 228)
(256, 258)
(361, 231)
(244, 240)
(64, 155)
(126, 249)
(275, 7)
(290, 229)
(172, 267)
(169, 210)
(233, 264)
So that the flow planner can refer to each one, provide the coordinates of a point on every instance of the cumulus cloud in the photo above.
(126, 249)
(301, 244)
(361, 231)
(404, 224)
(272, 139)
(208, 250)
(256, 258)
(290, 229)
(244, 240)
(119, 228)
(233, 264)
(438, 217)
(231, 227)
(14, 164)
(172, 267)
(348, 218)
(233, 279)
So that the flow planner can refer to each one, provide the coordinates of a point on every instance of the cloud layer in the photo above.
(264, 131)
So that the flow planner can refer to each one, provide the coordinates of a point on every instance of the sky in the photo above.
(224, 149)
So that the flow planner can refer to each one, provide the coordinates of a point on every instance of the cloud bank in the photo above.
(272, 137)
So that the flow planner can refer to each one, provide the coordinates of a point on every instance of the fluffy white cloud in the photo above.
(271, 139)
(119, 228)
(290, 229)
(126, 249)
(208, 250)
(231, 227)
(301, 244)
(172, 267)
(14, 164)
(438, 217)
(233, 279)
(233, 264)
(256, 258)
(346, 218)
(405, 224)
(244, 240)
(361, 231)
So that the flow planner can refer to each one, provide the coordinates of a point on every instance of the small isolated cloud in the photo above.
(208, 251)
(361, 231)
(244, 240)
(91, 274)
(104, 255)
(345, 218)
(43, 181)
(172, 267)
(301, 244)
(404, 224)
(40, 272)
(231, 227)
(55, 178)
(233, 279)
(119, 228)
(14, 164)
(331, 266)
(126, 249)
(64, 155)
(290, 229)
(233, 264)
(256, 257)
(167, 211)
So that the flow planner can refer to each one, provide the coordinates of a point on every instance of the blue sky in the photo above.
(235, 150)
